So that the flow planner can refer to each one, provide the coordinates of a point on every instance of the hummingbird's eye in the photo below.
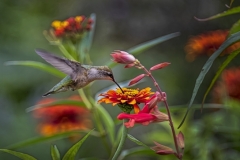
(110, 74)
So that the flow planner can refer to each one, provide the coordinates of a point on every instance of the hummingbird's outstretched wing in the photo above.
(64, 65)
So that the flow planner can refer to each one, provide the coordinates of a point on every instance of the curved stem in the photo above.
(166, 105)
(122, 140)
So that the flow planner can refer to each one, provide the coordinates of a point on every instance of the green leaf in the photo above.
(20, 155)
(86, 42)
(135, 140)
(226, 13)
(147, 45)
(235, 28)
(41, 139)
(55, 153)
(221, 68)
(71, 153)
(232, 39)
(38, 65)
(137, 151)
(108, 121)
(59, 102)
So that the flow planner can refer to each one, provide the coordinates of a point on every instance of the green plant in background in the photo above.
(203, 137)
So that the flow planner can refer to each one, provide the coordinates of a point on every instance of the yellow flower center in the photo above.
(127, 92)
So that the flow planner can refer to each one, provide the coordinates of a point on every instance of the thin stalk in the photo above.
(101, 130)
(65, 52)
(122, 141)
(84, 98)
(166, 105)
(90, 105)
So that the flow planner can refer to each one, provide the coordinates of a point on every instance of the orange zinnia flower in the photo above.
(130, 97)
(231, 79)
(60, 118)
(207, 44)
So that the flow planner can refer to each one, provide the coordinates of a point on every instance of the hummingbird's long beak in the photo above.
(118, 85)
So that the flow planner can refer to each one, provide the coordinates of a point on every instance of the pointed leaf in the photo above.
(230, 57)
(232, 39)
(58, 102)
(20, 155)
(86, 43)
(135, 140)
(225, 13)
(41, 139)
(38, 65)
(55, 153)
(136, 79)
(147, 45)
(136, 151)
(235, 28)
(159, 66)
(71, 153)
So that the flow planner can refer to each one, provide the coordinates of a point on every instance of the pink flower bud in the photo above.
(180, 140)
(122, 57)
(136, 79)
(162, 150)
(159, 66)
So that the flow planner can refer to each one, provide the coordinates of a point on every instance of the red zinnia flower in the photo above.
(128, 97)
(229, 85)
(60, 118)
(207, 44)
(148, 114)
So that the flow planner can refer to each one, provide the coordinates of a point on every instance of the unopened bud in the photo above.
(180, 140)
(159, 66)
(122, 57)
(136, 79)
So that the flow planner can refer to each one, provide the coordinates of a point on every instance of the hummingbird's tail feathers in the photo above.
(62, 64)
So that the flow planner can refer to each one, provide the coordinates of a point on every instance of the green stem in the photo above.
(84, 98)
(101, 130)
(122, 140)
(65, 52)
(99, 124)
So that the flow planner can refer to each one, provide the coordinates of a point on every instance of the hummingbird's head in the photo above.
(100, 73)
(103, 73)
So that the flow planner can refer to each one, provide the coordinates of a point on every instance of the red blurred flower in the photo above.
(130, 97)
(60, 118)
(207, 44)
(72, 27)
(123, 57)
(148, 114)
(229, 85)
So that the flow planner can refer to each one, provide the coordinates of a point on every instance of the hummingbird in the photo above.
(78, 75)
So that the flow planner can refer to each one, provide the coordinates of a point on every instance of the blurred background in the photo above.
(121, 24)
